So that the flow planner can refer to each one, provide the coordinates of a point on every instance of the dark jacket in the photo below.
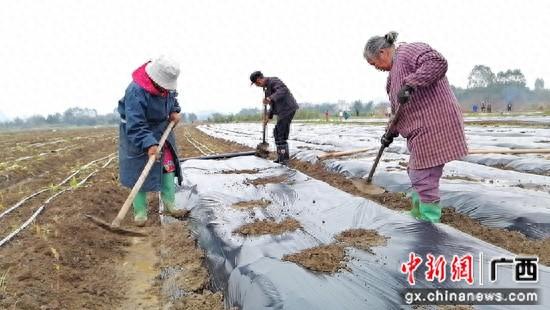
(144, 118)
(283, 103)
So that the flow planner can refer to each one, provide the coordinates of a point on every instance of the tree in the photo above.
(18, 122)
(357, 106)
(539, 84)
(217, 118)
(369, 107)
(80, 116)
(35, 121)
(481, 76)
(511, 77)
(192, 117)
(54, 118)
(185, 117)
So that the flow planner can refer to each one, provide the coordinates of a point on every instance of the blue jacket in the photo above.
(144, 117)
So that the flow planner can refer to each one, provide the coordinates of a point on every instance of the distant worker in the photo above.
(149, 104)
(474, 108)
(281, 103)
(346, 115)
(482, 106)
(430, 119)
(489, 108)
(326, 116)
(509, 107)
(340, 115)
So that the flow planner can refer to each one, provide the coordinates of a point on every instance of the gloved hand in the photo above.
(387, 139)
(404, 94)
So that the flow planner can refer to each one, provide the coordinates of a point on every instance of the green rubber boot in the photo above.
(415, 201)
(430, 212)
(168, 196)
(140, 208)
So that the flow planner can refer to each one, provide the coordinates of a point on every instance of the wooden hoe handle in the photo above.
(142, 177)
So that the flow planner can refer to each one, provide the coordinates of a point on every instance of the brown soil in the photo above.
(511, 240)
(499, 123)
(458, 177)
(265, 227)
(362, 239)
(504, 167)
(537, 187)
(205, 301)
(182, 269)
(326, 258)
(250, 204)
(244, 171)
(140, 266)
(63, 260)
(44, 162)
(267, 180)
(207, 144)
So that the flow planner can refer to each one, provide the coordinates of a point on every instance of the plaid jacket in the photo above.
(431, 121)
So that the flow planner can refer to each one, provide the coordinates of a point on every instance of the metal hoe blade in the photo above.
(367, 188)
(116, 230)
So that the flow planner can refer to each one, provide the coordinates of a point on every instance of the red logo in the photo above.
(436, 268)
(410, 267)
(462, 269)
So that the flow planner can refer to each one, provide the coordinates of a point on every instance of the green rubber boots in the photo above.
(140, 208)
(424, 211)
(168, 196)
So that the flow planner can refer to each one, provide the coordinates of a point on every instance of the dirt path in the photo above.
(141, 267)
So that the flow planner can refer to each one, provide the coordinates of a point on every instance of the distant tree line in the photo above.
(71, 117)
(306, 111)
(500, 89)
(74, 117)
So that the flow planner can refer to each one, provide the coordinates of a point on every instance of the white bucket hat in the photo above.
(164, 71)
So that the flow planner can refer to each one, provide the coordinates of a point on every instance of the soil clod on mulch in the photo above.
(265, 227)
(458, 177)
(513, 241)
(243, 171)
(267, 180)
(250, 204)
(362, 239)
(325, 258)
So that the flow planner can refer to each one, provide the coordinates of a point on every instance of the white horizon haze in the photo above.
(59, 54)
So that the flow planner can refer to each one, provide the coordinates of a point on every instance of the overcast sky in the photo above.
(58, 54)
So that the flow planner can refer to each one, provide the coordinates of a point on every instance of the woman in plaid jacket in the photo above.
(431, 119)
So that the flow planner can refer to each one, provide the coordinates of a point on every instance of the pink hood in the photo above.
(141, 78)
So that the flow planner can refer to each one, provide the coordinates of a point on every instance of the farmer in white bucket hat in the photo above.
(163, 71)
(149, 104)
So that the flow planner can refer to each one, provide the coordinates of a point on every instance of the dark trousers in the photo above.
(282, 129)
